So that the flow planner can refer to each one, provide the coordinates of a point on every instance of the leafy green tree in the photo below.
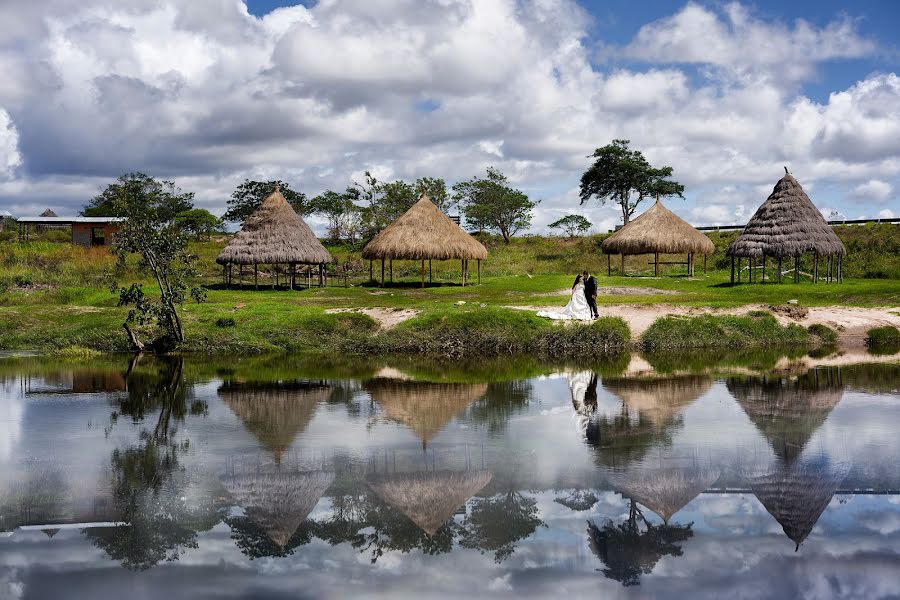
(199, 222)
(624, 177)
(573, 225)
(152, 234)
(254, 542)
(489, 203)
(250, 194)
(436, 189)
(342, 213)
(137, 192)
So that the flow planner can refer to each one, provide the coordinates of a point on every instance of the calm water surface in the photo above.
(283, 478)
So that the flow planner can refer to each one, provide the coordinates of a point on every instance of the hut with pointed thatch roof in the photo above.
(274, 235)
(788, 225)
(429, 498)
(274, 413)
(423, 233)
(48, 213)
(665, 491)
(797, 495)
(787, 412)
(658, 231)
(277, 500)
(426, 408)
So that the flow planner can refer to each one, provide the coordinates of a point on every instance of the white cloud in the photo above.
(887, 214)
(9, 146)
(874, 189)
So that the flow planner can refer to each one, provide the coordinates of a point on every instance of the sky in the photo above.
(209, 92)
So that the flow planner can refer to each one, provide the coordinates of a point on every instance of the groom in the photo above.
(590, 292)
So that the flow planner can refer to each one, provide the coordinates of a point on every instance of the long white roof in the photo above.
(68, 220)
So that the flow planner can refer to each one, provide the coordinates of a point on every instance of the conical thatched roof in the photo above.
(274, 414)
(273, 234)
(787, 412)
(787, 224)
(48, 213)
(421, 233)
(665, 491)
(797, 495)
(429, 498)
(426, 408)
(278, 501)
(659, 399)
(658, 230)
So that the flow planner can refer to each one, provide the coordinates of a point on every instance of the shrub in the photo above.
(826, 335)
(758, 329)
(883, 340)
(224, 322)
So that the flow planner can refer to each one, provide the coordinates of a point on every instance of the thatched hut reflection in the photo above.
(275, 413)
(426, 408)
(665, 490)
(787, 412)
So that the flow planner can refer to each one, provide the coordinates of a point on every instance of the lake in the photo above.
(760, 476)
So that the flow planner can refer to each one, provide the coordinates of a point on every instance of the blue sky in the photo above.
(208, 93)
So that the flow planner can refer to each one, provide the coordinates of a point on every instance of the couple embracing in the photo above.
(582, 305)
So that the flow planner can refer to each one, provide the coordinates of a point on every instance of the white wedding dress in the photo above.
(577, 309)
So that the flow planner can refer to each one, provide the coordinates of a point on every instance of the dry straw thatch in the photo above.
(426, 408)
(659, 399)
(665, 491)
(278, 501)
(424, 232)
(429, 498)
(48, 213)
(274, 234)
(274, 414)
(658, 230)
(787, 412)
(787, 224)
(797, 495)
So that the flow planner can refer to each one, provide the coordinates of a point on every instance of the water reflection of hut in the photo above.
(796, 495)
(429, 498)
(275, 413)
(660, 399)
(665, 491)
(79, 381)
(649, 410)
(426, 408)
(277, 500)
(788, 411)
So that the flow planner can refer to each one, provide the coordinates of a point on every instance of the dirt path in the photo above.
(386, 317)
(850, 322)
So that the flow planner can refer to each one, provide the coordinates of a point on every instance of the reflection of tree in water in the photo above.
(500, 403)
(148, 483)
(254, 541)
(631, 549)
(578, 500)
(496, 523)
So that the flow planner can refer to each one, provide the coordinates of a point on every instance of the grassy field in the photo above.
(54, 295)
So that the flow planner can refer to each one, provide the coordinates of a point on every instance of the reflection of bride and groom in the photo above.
(582, 305)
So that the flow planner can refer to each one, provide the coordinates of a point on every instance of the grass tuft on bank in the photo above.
(883, 340)
(756, 329)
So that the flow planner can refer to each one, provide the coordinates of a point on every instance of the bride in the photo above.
(576, 309)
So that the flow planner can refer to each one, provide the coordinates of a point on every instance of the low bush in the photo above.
(825, 335)
(758, 329)
(883, 340)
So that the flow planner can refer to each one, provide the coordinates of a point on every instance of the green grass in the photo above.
(883, 340)
(757, 329)
(55, 295)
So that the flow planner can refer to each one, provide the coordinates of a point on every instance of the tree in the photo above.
(573, 225)
(148, 231)
(624, 176)
(490, 203)
(199, 222)
(133, 192)
(249, 195)
(384, 202)
(436, 189)
(496, 523)
(342, 213)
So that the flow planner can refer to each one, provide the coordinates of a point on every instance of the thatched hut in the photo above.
(429, 498)
(48, 213)
(665, 491)
(274, 235)
(797, 495)
(426, 408)
(423, 233)
(658, 231)
(278, 501)
(788, 225)
(787, 412)
(274, 413)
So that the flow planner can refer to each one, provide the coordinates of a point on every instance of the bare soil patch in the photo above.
(386, 317)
